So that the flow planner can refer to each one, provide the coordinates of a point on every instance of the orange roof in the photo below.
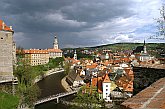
(74, 61)
(129, 87)
(91, 66)
(128, 71)
(117, 61)
(6, 28)
(125, 59)
(20, 51)
(106, 63)
(125, 83)
(36, 51)
(106, 79)
(54, 50)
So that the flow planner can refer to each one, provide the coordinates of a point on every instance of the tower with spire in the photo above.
(75, 55)
(145, 49)
(55, 51)
(55, 43)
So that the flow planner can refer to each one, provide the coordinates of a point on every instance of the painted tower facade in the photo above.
(55, 43)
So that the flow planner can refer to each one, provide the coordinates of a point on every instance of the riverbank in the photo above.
(65, 84)
(50, 72)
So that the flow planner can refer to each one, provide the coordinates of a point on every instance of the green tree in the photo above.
(67, 67)
(27, 90)
(161, 25)
(89, 100)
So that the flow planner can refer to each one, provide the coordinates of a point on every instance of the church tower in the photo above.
(55, 43)
(75, 55)
(145, 49)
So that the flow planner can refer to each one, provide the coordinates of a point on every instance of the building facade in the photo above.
(7, 53)
(106, 88)
(36, 56)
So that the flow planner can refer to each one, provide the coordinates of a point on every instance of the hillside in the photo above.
(154, 49)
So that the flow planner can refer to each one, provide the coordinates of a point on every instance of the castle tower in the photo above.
(55, 43)
(145, 49)
(75, 55)
(6, 51)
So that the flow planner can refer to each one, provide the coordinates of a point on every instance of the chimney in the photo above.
(11, 28)
(3, 25)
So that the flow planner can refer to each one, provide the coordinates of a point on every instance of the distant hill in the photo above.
(156, 49)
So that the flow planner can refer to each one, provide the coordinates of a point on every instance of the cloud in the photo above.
(79, 22)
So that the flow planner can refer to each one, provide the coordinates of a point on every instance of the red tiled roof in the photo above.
(6, 28)
(55, 50)
(91, 66)
(35, 51)
(125, 83)
(117, 61)
(126, 59)
(74, 61)
(128, 71)
(106, 79)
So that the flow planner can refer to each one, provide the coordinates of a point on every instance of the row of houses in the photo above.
(108, 78)
(110, 74)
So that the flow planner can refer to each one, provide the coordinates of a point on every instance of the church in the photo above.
(55, 51)
(141, 53)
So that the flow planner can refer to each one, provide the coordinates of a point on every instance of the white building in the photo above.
(106, 88)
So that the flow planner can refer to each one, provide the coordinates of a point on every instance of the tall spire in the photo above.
(144, 46)
(75, 55)
(55, 43)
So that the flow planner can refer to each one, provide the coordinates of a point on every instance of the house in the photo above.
(74, 79)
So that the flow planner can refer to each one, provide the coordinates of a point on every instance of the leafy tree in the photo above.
(67, 67)
(89, 100)
(161, 25)
(26, 89)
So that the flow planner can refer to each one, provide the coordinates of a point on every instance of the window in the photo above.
(106, 89)
(106, 85)
(1, 37)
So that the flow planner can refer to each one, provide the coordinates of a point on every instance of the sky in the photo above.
(80, 23)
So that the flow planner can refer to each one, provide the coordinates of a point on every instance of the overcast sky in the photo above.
(79, 23)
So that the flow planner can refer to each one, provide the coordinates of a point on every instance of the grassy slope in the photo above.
(8, 101)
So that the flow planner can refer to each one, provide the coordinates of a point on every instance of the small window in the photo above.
(1, 37)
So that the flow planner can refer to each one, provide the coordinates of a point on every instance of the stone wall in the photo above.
(143, 77)
(6, 54)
